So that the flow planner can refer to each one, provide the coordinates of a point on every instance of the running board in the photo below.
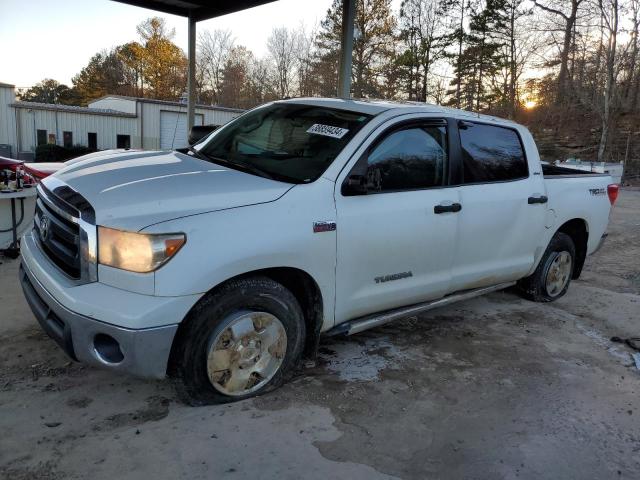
(370, 321)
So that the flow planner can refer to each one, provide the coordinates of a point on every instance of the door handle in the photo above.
(540, 199)
(454, 207)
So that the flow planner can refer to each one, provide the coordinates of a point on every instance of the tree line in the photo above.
(567, 68)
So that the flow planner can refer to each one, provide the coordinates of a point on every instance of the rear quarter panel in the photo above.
(582, 196)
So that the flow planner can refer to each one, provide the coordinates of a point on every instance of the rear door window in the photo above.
(491, 153)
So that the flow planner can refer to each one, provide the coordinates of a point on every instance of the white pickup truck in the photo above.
(223, 264)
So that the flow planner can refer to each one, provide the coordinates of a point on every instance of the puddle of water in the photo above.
(357, 361)
(623, 356)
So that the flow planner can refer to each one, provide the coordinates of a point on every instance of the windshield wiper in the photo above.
(198, 153)
(274, 155)
(241, 166)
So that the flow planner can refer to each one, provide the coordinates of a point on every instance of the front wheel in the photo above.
(242, 340)
(552, 277)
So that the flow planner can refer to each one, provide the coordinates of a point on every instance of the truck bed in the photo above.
(554, 171)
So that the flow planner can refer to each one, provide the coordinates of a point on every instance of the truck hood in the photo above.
(135, 189)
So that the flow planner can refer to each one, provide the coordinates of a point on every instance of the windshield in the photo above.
(284, 141)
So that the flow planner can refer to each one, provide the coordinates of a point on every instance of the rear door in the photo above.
(392, 248)
(503, 207)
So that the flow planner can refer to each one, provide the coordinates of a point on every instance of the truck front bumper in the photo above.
(143, 352)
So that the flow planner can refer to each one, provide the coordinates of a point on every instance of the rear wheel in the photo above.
(242, 340)
(553, 275)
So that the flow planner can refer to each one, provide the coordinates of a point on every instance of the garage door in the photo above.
(173, 129)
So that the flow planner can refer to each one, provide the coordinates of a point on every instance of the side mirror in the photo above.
(198, 132)
(354, 185)
(356, 182)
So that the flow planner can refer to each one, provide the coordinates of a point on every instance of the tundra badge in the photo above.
(393, 276)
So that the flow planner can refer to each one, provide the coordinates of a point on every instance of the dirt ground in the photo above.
(497, 387)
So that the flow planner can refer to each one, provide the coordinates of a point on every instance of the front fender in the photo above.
(224, 244)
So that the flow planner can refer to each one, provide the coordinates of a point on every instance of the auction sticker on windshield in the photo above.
(327, 130)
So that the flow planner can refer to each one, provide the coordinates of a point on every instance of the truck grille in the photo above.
(59, 234)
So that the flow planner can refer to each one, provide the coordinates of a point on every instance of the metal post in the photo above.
(346, 48)
(191, 74)
(14, 226)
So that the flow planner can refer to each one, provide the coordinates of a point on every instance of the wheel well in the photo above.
(577, 230)
(308, 294)
(306, 291)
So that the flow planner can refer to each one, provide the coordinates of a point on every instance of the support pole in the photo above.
(191, 74)
(346, 48)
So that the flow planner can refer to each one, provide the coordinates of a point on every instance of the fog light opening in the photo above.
(107, 348)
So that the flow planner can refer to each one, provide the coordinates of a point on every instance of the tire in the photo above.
(217, 333)
(540, 286)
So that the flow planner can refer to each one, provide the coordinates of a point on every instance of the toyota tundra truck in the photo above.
(221, 265)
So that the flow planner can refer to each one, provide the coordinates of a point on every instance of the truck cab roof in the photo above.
(376, 106)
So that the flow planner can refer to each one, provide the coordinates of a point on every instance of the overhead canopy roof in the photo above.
(197, 9)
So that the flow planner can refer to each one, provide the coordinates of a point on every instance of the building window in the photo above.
(123, 141)
(67, 139)
(92, 140)
(42, 137)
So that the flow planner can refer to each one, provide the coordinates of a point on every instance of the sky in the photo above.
(55, 39)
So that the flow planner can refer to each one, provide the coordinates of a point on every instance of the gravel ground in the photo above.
(496, 387)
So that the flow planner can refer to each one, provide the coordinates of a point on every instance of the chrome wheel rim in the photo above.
(247, 353)
(558, 273)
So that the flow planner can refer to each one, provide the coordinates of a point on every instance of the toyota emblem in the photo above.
(44, 227)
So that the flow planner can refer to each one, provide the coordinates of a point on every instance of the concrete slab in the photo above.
(496, 387)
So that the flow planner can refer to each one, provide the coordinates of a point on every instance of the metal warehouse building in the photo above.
(110, 122)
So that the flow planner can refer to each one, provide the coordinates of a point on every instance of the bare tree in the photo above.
(213, 52)
(282, 46)
(610, 10)
(568, 15)
(261, 82)
(305, 55)
(633, 75)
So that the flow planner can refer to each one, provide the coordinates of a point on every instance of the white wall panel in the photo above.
(144, 130)
(8, 119)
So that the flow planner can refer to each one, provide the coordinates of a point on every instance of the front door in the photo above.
(393, 248)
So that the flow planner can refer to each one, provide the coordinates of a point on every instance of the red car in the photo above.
(34, 171)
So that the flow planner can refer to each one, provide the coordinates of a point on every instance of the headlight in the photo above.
(136, 252)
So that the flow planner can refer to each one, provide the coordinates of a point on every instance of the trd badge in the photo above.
(319, 227)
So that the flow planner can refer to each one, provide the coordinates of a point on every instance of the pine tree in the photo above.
(422, 33)
(482, 57)
(373, 47)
